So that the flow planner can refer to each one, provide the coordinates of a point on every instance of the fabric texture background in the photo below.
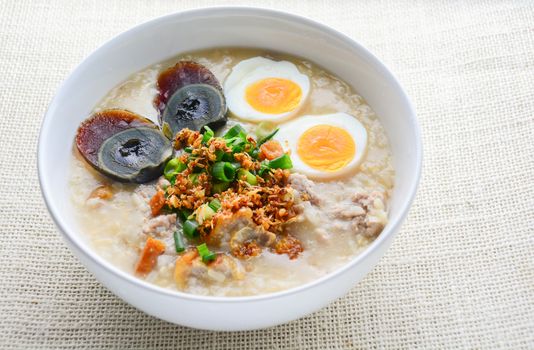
(460, 273)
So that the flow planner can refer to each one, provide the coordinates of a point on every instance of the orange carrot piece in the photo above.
(149, 256)
(271, 150)
(157, 202)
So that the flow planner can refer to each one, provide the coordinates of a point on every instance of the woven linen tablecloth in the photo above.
(460, 273)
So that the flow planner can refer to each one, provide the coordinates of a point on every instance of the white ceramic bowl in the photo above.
(168, 36)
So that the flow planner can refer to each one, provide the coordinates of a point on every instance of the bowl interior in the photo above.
(168, 36)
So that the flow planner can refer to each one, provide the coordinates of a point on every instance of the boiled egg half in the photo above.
(259, 89)
(324, 146)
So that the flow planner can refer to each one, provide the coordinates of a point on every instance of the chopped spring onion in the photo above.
(184, 214)
(223, 171)
(215, 204)
(173, 167)
(208, 134)
(219, 155)
(255, 153)
(282, 162)
(247, 176)
(234, 131)
(205, 253)
(188, 149)
(267, 138)
(238, 147)
(204, 212)
(219, 187)
(190, 227)
(263, 168)
(227, 157)
(178, 242)
(237, 143)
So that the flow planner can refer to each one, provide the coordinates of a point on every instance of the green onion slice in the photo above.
(205, 253)
(173, 167)
(203, 213)
(190, 227)
(208, 134)
(184, 214)
(263, 168)
(219, 155)
(236, 130)
(215, 204)
(282, 162)
(255, 153)
(178, 242)
(247, 176)
(267, 138)
(227, 157)
(237, 143)
(223, 171)
(238, 148)
(219, 187)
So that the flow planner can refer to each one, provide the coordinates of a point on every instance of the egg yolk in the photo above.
(326, 147)
(273, 95)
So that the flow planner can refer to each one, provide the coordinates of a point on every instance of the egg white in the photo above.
(290, 132)
(255, 69)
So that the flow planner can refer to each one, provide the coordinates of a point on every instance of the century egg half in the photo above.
(123, 145)
(189, 96)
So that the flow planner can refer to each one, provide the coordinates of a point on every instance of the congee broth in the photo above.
(231, 172)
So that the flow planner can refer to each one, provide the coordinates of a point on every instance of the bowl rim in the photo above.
(391, 229)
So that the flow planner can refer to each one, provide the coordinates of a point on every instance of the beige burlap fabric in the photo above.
(459, 275)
